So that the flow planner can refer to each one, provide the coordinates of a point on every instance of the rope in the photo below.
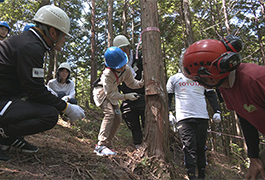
(146, 30)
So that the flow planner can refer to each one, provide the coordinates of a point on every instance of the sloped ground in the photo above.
(66, 152)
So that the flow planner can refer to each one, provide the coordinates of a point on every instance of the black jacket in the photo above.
(21, 69)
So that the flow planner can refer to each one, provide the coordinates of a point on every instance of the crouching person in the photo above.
(26, 105)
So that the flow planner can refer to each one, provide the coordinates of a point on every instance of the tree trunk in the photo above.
(226, 17)
(157, 127)
(124, 19)
(187, 17)
(110, 23)
(93, 51)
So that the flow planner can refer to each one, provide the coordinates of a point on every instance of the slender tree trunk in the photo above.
(93, 63)
(226, 17)
(187, 17)
(110, 23)
(124, 19)
(157, 127)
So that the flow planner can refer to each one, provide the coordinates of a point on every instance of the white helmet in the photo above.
(120, 41)
(65, 65)
(54, 17)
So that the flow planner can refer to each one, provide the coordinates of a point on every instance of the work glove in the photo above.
(172, 121)
(74, 112)
(217, 117)
(142, 80)
(66, 98)
(131, 96)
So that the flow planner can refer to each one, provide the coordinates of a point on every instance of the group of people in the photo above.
(28, 106)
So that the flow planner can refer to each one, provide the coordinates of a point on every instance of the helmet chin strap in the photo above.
(45, 29)
(213, 86)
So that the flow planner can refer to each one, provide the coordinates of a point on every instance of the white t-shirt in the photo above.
(69, 88)
(189, 97)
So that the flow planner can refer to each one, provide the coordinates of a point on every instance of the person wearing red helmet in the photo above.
(215, 63)
(107, 96)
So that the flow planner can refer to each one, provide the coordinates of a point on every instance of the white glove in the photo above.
(74, 112)
(217, 117)
(172, 121)
(142, 80)
(66, 98)
(131, 96)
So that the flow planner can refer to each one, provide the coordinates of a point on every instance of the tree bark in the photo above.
(93, 64)
(188, 24)
(157, 127)
(110, 23)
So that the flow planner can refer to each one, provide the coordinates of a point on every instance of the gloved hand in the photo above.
(142, 79)
(131, 96)
(217, 117)
(74, 112)
(172, 121)
(66, 98)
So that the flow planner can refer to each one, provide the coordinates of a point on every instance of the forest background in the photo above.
(95, 23)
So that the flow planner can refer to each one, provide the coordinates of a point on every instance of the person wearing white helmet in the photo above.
(26, 105)
(133, 112)
(63, 85)
(107, 96)
(4, 30)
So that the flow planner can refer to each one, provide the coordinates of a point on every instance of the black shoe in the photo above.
(19, 143)
(3, 156)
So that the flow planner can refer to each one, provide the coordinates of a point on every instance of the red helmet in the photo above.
(202, 58)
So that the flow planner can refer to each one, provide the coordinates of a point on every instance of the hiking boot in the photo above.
(17, 142)
(103, 151)
(137, 146)
(191, 173)
(3, 156)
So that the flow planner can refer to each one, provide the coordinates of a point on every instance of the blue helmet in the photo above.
(28, 26)
(4, 23)
(115, 58)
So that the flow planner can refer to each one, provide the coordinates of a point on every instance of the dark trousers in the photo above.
(133, 113)
(24, 117)
(193, 134)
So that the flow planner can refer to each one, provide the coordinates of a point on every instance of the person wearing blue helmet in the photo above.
(4, 30)
(28, 26)
(107, 96)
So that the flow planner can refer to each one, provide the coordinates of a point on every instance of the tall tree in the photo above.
(110, 24)
(188, 24)
(93, 63)
(156, 132)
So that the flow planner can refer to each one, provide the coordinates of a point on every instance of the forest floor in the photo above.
(66, 152)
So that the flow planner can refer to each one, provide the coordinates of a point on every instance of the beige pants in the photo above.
(110, 124)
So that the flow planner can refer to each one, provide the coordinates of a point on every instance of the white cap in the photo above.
(65, 65)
